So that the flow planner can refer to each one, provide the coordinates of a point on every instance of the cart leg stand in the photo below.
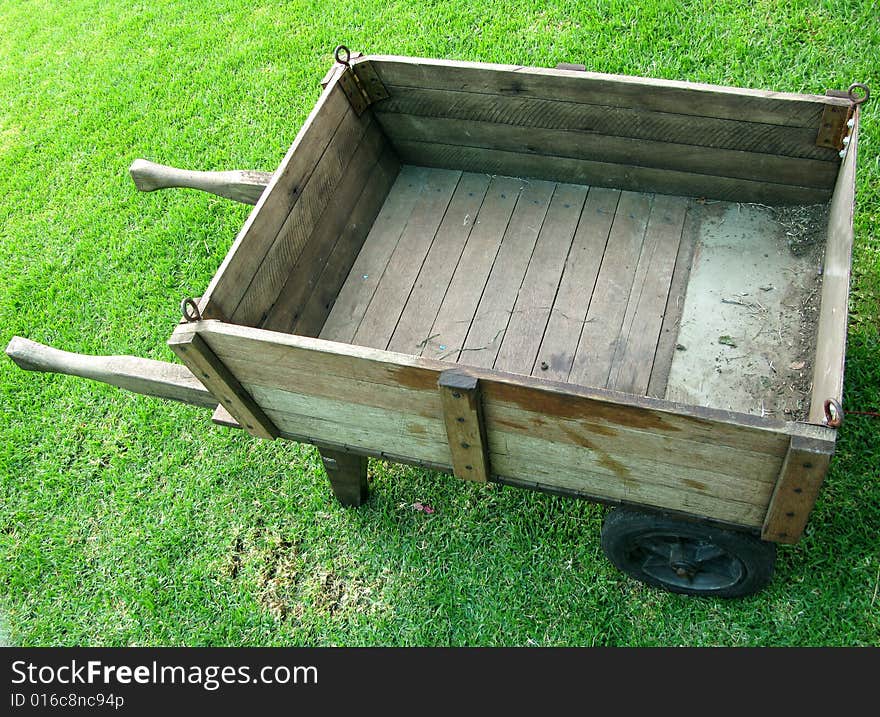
(348, 476)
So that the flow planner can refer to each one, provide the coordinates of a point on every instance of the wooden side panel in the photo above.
(644, 451)
(265, 221)
(831, 336)
(797, 488)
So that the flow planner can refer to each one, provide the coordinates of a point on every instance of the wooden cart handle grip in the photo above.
(146, 376)
(244, 186)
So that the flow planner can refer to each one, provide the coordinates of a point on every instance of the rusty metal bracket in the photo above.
(837, 120)
(359, 81)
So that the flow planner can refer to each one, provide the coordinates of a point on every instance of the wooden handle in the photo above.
(146, 376)
(244, 186)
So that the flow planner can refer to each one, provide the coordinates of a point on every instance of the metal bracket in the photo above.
(360, 81)
(832, 128)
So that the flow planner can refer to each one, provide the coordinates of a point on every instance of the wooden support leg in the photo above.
(348, 476)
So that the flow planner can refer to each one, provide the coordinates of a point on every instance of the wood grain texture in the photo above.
(604, 174)
(465, 428)
(831, 334)
(638, 93)
(795, 493)
(558, 346)
(262, 225)
(637, 343)
(144, 376)
(317, 307)
(584, 144)
(304, 216)
(191, 348)
(357, 291)
(538, 291)
(592, 362)
(449, 330)
(240, 185)
(668, 339)
(405, 262)
(496, 306)
(605, 120)
(643, 451)
(306, 272)
(435, 274)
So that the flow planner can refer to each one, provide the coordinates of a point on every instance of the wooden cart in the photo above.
(627, 290)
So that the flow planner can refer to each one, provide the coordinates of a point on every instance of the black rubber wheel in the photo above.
(687, 557)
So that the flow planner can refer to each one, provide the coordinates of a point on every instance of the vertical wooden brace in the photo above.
(348, 476)
(797, 488)
(465, 428)
(201, 360)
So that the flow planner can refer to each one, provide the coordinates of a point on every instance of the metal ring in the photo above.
(190, 310)
(833, 413)
(854, 98)
(342, 49)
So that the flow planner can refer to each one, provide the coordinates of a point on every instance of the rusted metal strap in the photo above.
(837, 120)
(465, 428)
(359, 81)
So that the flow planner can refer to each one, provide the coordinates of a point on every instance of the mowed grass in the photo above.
(126, 520)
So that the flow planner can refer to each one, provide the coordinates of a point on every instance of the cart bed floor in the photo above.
(578, 284)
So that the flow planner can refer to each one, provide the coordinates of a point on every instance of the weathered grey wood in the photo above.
(637, 345)
(191, 348)
(638, 93)
(465, 428)
(357, 291)
(487, 330)
(317, 308)
(321, 245)
(146, 376)
(586, 144)
(396, 283)
(245, 186)
(831, 334)
(797, 488)
(446, 336)
(605, 120)
(302, 221)
(603, 174)
(595, 351)
(668, 340)
(531, 312)
(347, 473)
(430, 287)
(558, 346)
(261, 227)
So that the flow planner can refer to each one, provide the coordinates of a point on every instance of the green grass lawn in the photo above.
(126, 520)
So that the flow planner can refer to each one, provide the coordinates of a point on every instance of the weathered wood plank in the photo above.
(347, 473)
(430, 287)
(578, 144)
(637, 344)
(396, 283)
(668, 340)
(357, 291)
(592, 362)
(303, 218)
(795, 493)
(191, 348)
(538, 291)
(262, 225)
(831, 334)
(465, 428)
(605, 120)
(493, 314)
(604, 174)
(576, 285)
(145, 376)
(240, 185)
(639, 93)
(449, 330)
(305, 274)
(316, 308)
